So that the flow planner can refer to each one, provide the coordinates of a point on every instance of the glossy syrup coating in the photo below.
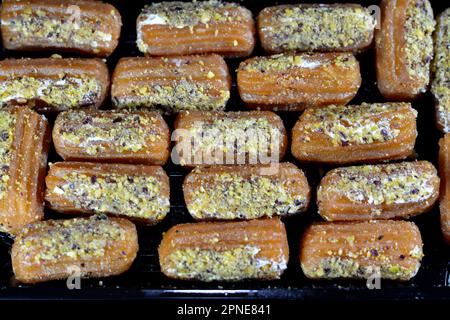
(24, 143)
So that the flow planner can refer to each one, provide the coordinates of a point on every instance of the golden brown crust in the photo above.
(25, 140)
(53, 84)
(315, 27)
(245, 192)
(384, 249)
(296, 81)
(404, 48)
(171, 84)
(350, 134)
(182, 28)
(140, 137)
(227, 251)
(88, 247)
(444, 170)
(229, 138)
(385, 191)
(79, 26)
(137, 192)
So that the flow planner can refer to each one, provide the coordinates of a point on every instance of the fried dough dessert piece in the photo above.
(384, 191)
(229, 138)
(404, 48)
(440, 86)
(198, 27)
(24, 143)
(358, 133)
(444, 171)
(171, 84)
(140, 137)
(56, 249)
(245, 192)
(76, 26)
(316, 27)
(136, 192)
(296, 81)
(360, 250)
(225, 251)
(53, 84)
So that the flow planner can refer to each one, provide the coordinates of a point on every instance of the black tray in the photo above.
(144, 279)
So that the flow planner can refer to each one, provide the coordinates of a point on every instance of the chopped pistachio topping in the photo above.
(7, 128)
(95, 133)
(233, 196)
(355, 125)
(180, 95)
(76, 239)
(46, 26)
(385, 184)
(132, 196)
(238, 263)
(324, 27)
(441, 69)
(64, 93)
(283, 62)
(246, 137)
(338, 266)
(419, 27)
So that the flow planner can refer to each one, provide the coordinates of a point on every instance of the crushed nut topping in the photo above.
(181, 94)
(324, 27)
(66, 92)
(251, 138)
(132, 196)
(419, 27)
(234, 196)
(441, 69)
(76, 239)
(385, 184)
(283, 62)
(46, 26)
(7, 131)
(356, 125)
(233, 264)
(121, 132)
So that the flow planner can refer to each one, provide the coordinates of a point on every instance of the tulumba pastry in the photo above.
(78, 26)
(139, 137)
(24, 142)
(225, 251)
(97, 246)
(136, 192)
(355, 133)
(197, 27)
(296, 81)
(360, 250)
